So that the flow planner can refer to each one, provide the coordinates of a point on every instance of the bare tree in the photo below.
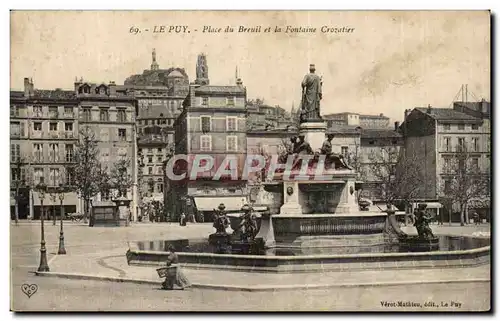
(464, 180)
(87, 170)
(399, 176)
(121, 180)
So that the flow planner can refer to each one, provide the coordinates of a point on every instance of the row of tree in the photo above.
(85, 174)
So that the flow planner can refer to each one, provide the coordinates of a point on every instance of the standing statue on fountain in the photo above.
(311, 96)
(422, 220)
(221, 221)
(337, 160)
(248, 225)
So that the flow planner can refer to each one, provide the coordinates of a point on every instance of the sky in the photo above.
(389, 62)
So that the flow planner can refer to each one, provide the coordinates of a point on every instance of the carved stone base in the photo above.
(291, 209)
(346, 208)
(266, 232)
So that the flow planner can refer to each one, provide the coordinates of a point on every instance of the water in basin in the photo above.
(446, 243)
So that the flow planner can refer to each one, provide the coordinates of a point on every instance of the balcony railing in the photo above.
(69, 115)
(53, 134)
(69, 135)
(53, 114)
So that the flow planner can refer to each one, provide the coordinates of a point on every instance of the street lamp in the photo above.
(44, 266)
(61, 250)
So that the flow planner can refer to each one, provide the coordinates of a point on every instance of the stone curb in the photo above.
(268, 288)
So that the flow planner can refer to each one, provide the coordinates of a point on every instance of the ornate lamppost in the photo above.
(61, 250)
(44, 266)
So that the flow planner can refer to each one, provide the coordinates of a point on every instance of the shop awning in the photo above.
(434, 205)
(209, 203)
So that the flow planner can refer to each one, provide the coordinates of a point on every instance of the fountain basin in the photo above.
(278, 261)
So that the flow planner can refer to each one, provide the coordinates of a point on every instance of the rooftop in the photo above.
(380, 133)
(445, 114)
(47, 94)
(343, 129)
(220, 89)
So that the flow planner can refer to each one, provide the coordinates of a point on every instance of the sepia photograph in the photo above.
(250, 161)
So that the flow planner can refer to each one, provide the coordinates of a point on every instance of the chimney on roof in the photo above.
(112, 88)
(396, 126)
(429, 109)
(484, 106)
(407, 112)
(28, 87)
(381, 115)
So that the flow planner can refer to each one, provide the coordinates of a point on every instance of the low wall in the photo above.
(319, 263)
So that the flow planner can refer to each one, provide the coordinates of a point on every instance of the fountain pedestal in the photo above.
(314, 134)
(291, 205)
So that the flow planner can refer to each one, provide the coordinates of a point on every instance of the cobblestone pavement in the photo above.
(106, 245)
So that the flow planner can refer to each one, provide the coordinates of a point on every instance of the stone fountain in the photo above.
(319, 226)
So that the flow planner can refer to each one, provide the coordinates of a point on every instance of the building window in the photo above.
(122, 134)
(150, 170)
(150, 159)
(15, 129)
(69, 153)
(68, 111)
(160, 150)
(53, 127)
(15, 153)
(70, 176)
(53, 152)
(461, 144)
(475, 163)
(87, 115)
(54, 176)
(204, 101)
(475, 127)
(447, 144)
(159, 159)
(205, 143)
(37, 126)
(230, 101)
(231, 143)
(447, 164)
(37, 111)
(344, 150)
(461, 126)
(446, 127)
(68, 127)
(14, 111)
(38, 173)
(371, 142)
(160, 187)
(475, 144)
(103, 114)
(231, 124)
(38, 152)
(53, 113)
(206, 123)
(122, 116)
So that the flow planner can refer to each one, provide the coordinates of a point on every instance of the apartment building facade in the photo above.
(213, 122)
(43, 133)
(435, 136)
